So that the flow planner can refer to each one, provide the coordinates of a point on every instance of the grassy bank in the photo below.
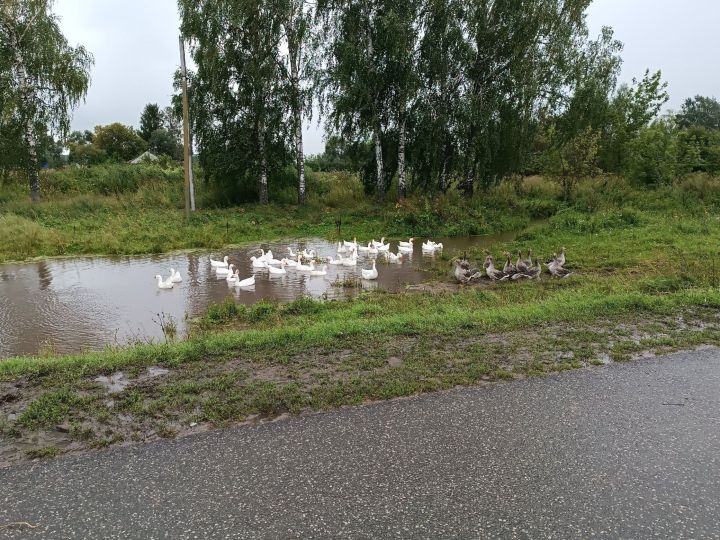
(120, 209)
(646, 281)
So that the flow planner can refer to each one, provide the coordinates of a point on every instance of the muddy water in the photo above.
(71, 305)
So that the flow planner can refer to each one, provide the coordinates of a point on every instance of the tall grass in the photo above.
(123, 209)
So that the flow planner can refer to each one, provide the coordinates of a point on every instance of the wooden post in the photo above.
(186, 134)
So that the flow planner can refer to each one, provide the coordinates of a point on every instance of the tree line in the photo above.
(424, 95)
(433, 94)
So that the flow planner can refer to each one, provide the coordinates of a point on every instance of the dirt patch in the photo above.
(434, 287)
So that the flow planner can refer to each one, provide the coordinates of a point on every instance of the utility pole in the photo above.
(189, 187)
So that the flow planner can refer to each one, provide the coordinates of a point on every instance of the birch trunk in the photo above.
(32, 161)
(300, 158)
(402, 188)
(29, 134)
(379, 165)
(263, 164)
(444, 177)
(297, 116)
(468, 183)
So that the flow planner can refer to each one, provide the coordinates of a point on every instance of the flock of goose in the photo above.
(305, 261)
(347, 255)
(524, 268)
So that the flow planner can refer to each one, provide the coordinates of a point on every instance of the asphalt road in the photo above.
(620, 451)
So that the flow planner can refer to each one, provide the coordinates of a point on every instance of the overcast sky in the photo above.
(135, 44)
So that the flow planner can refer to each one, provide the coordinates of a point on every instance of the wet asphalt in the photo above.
(619, 451)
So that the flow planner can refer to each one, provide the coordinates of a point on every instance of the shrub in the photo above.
(224, 312)
(261, 311)
(653, 155)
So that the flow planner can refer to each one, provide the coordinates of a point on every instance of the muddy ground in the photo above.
(43, 416)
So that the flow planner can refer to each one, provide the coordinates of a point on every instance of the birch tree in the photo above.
(238, 90)
(297, 22)
(442, 57)
(400, 28)
(521, 57)
(355, 83)
(42, 77)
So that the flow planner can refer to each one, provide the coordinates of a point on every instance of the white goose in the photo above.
(225, 271)
(175, 277)
(273, 262)
(303, 267)
(408, 244)
(405, 249)
(351, 260)
(369, 274)
(277, 271)
(258, 262)
(341, 249)
(431, 246)
(219, 264)
(232, 277)
(308, 254)
(394, 258)
(248, 282)
(365, 249)
(163, 284)
(351, 245)
(290, 251)
(335, 262)
(321, 272)
(383, 248)
(289, 263)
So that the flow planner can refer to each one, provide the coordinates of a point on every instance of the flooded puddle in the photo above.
(87, 303)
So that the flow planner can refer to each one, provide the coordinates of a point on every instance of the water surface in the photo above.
(86, 303)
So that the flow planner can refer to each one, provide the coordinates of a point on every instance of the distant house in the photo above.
(145, 157)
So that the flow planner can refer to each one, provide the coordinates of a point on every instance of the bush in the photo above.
(653, 156)
(336, 190)
(303, 306)
(700, 187)
(261, 311)
(225, 311)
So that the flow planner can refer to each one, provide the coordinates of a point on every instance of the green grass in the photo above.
(646, 280)
(49, 410)
(121, 209)
(643, 256)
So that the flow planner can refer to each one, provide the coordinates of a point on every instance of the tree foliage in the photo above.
(700, 111)
(150, 120)
(574, 159)
(429, 93)
(238, 96)
(42, 78)
(653, 155)
(162, 142)
(119, 142)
